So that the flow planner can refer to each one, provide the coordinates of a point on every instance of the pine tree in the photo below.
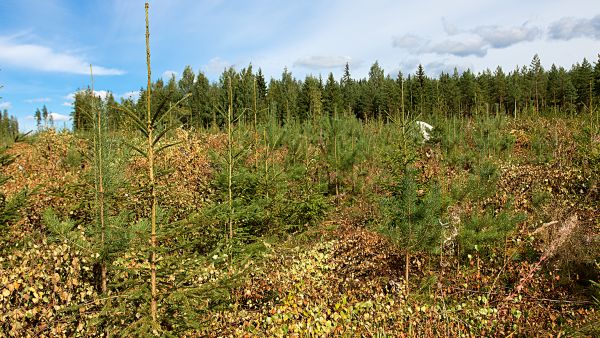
(468, 92)
(568, 91)
(536, 72)
(412, 220)
(500, 88)
(553, 88)
(38, 118)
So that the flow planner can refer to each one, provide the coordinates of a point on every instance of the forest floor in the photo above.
(344, 280)
(340, 277)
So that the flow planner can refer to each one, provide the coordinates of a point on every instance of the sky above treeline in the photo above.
(46, 46)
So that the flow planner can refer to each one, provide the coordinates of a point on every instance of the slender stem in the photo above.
(100, 184)
(266, 162)
(150, 154)
(230, 159)
(255, 110)
(406, 269)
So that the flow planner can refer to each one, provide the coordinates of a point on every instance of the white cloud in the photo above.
(570, 28)
(29, 117)
(67, 104)
(318, 62)
(406, 66)
(502, 37)
(168, 74)
(134, 94)
(56, 117)
(408, 41)
(103, 94)
(473, 42)
(465, 47)
(38, 100)
(217, 65)
(42, 58)
(449, 28)
(435, 68)
(5, 105)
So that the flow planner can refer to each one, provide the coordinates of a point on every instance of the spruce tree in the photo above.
(38, 118)
(346, 85)
(597, 78)
(420, 76)
(261, 89)
(45, 115)
(331, 96)
(500, 89)
(153, 128)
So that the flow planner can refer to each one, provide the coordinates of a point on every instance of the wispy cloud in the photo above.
(216, 65)
(406, 66)
(42, 58)
(103, 94)
(502, 37)
(318, 62)
(570, 28)
(468, 42)
(5, 105)
(435, 68)
(56, 117)
(134, 94)
(462, 48)
(168, 74)
(449, 28)
(408, 41)
(38, 100)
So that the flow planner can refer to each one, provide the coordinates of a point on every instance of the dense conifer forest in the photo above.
(315, 207)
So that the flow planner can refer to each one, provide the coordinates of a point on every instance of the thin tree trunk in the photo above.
(230, 160)
(255, 107)
(266, 161)
(406, 270)
(402, 95)
(100, 186)
(335, 156)
(150, 154)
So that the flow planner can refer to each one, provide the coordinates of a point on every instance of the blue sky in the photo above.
(46, 46)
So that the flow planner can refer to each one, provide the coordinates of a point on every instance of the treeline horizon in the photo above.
(526, 89)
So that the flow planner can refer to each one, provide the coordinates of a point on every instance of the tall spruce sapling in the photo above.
(106, 237)
(153, 129)
(242, 203)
